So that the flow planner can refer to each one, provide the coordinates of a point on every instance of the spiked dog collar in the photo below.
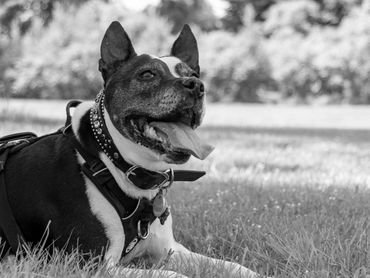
(140, 177)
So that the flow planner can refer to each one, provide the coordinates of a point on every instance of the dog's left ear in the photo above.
(186, 48)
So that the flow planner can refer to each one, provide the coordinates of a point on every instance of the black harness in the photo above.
(136, 214)
(8, 224)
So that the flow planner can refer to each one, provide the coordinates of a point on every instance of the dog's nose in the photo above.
(194, 86)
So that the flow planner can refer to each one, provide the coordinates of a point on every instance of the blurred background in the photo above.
(256, 51)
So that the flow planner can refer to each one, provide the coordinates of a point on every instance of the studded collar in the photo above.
(101, 133)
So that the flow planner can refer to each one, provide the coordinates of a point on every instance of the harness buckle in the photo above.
(139, 228)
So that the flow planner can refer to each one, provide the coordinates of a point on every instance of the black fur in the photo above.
(45, 184)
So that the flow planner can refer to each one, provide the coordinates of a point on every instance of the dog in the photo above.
(100, 183)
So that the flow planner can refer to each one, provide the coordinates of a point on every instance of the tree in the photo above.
(233, 20)
(21, 13)
(333, 11)
(179, 12)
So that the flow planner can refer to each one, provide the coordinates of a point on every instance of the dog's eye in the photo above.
(147, 74)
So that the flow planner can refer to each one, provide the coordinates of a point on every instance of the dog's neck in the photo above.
(132, 153)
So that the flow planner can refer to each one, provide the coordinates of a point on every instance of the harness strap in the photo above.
(136, 222)
(7, 220)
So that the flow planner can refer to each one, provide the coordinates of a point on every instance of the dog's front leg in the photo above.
(183, 255)
(161, 241)
(120, 271)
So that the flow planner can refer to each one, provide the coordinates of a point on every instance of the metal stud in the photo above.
(116, 155)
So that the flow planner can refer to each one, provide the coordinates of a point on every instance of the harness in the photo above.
(8, 145)
(136, 214)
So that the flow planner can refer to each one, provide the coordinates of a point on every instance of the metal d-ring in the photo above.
(170, 178)
(140, 235)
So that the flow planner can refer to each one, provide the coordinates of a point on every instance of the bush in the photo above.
(329, 61)
(291, 17)
(235, 66)
(294, 55)
(60, 60)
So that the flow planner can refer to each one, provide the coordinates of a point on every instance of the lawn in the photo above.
(287, 191)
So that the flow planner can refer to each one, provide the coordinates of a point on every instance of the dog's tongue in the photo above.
(184, 138)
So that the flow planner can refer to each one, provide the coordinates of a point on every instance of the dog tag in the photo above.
(164, 216)
(159, 204)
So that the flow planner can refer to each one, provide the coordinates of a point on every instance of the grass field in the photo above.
(287, 191)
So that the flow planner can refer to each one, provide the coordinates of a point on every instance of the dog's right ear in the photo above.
(116, 47)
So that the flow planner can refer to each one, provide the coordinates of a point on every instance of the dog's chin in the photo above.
(176, 158)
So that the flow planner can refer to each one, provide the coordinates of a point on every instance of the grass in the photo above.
(287, 193)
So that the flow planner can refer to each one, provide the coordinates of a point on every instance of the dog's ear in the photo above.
(116, 47)
(186, 48)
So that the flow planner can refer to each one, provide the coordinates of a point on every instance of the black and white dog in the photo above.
(101, 181)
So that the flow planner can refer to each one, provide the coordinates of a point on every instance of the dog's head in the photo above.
(156, 102)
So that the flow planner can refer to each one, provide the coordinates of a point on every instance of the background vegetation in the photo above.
(301, 51)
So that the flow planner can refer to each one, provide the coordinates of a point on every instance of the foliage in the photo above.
(328, 12)
(328, 61)
(333, 11)
(233, 20)
(22, 14)
(235, 67)
(179, 12)
(283, 49)
(63, 62)
(294, 17)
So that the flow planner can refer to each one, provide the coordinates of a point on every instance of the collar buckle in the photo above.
(170, 178)
(166, 178)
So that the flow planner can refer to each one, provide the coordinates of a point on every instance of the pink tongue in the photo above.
(184, 138)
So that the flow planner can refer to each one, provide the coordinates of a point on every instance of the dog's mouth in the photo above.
(173, 135)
